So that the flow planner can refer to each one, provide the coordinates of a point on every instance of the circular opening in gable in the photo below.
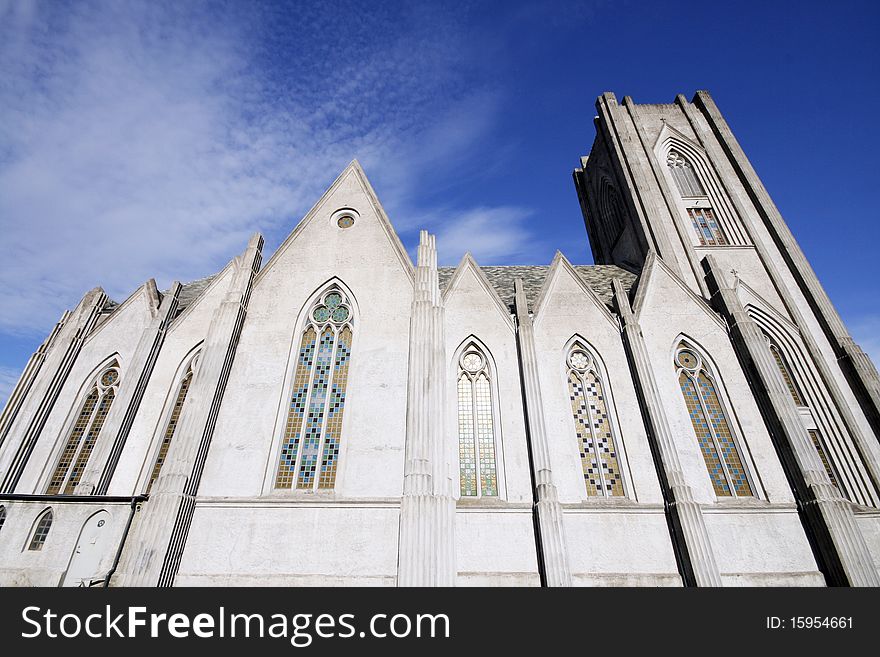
(344, 218)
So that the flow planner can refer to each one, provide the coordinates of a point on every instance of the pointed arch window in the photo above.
(600, 460)
(478, 474)
(174, 419)
(711, 425)
(93, 412)
(310, 444)
(41, 531)
(2, 516)
(805, 411)
(696, 200)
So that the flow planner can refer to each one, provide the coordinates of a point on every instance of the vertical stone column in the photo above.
(31, 371)
(47, 386)
(152, 552)
(111, 440)
(686, 517)
(427, 509)
(548, 512)
(830, 519)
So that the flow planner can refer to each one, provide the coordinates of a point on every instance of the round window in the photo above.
(687, 359)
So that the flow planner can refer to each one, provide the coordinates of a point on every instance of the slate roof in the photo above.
(598, 277)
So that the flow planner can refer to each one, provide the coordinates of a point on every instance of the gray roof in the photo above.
(191, 291)
(598, 277)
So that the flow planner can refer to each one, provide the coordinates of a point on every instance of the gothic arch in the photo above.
(88, 551)
(308, 429)
(594, 420)
(715, 425)
(82, 427)
(468, 395)
(169, 420)
(39, 531)
(826, 429)
(671, 142)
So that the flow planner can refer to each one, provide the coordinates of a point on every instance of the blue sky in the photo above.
(143, 140)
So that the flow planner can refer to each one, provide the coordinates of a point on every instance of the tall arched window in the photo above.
(41, 531)
(85, 431)
(805, 411)
(173, 419)
(600, 460)
(476, 425)
(696, 200)
(714, 434)
(2, 516)
(310, 444)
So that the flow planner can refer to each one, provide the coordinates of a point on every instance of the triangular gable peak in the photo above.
(654, 267)
(561, 266)
(149, 297)
(751, 299)
(669, 137)
(352, 170)
(469, 265)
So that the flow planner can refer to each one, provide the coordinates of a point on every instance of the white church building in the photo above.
(689, 411)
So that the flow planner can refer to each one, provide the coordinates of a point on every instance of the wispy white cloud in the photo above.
(149, 140)
(492, 235)
(8, 379)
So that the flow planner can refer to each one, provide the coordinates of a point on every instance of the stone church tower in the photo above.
(690, 410)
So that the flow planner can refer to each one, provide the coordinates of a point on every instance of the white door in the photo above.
(90, 548)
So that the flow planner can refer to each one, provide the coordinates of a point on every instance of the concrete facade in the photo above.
(473, 425)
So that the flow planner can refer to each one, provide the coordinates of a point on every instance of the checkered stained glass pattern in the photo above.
(171, 428)
(311, 445)
(711, 426)
(599, 459)
(73, 442)
(84, 433)
(41, 533)
(299, 395)
(724, 437)
(476, 426)
(313, 430)
(335, 408)
(704, 435)
(85, 451)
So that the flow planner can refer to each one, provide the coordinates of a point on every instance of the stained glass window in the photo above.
(173, 420)
(714, 435)
(310, 443)
(476, 426)
(41, 532)
(684, 175)
(706, 226)
(696, 200)
(600, 461)
(85, 431)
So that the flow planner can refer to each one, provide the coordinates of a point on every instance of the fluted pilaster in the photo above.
(840, 543)
(152, 552)
(427, 513)
(547, 509)
(686, 516)
(114, 432)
